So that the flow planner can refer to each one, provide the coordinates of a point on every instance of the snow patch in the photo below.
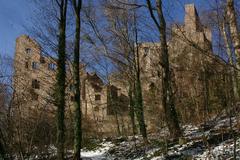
(98, 154)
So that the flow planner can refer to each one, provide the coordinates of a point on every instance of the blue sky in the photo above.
(14, 14)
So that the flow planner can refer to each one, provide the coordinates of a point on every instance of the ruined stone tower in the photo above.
(191, 57)
(107, 105)
(33, 76)
(193, 26)
(34, 80)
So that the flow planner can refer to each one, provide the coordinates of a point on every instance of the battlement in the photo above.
(192, 20)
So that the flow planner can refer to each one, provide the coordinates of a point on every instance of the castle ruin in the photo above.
(191, 61)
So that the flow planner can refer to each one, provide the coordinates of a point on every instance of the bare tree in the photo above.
(168, 99)
(61, 78)
(77, 4)
(123, 26)
(232, 21)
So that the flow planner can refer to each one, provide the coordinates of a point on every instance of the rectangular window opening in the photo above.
(42, 60)
(52, 66)
(35, 84)
(97, 97)
(26, 65)
(28, 50)
(35, 65)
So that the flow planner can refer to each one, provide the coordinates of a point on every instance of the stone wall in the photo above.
(34, 80)
(193, 65)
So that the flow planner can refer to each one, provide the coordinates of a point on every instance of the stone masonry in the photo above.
(34, 81)
(195, 70)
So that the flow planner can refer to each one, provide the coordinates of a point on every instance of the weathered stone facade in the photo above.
(196, 76)
(196, 72)
(34, 81)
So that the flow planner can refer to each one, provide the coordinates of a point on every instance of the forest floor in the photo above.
(214, 140)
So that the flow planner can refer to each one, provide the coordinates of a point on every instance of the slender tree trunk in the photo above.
(235, 36)
(76, 74)
(138, 103)
(117, 122)
(229, 94)
(232, 20)
(206, 95)
(139, 109)
(2, 149)
(113, 106)
(230, 56)
(167, 93)
(131, 112)
(61, 78)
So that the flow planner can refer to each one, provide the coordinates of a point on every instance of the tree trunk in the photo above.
(235, 36)
(230, 56)
(139, 109)
(76, 74)
(206, 95)
(232, 20)
(167, 93)
(168, 99)
(131, 112)
(117, 122)
(2, 149)
(61, 78)
(138, 103)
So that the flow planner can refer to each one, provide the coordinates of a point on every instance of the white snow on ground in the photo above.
(99, 153)
(52, 149)
(222, 151)
(193, 146)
